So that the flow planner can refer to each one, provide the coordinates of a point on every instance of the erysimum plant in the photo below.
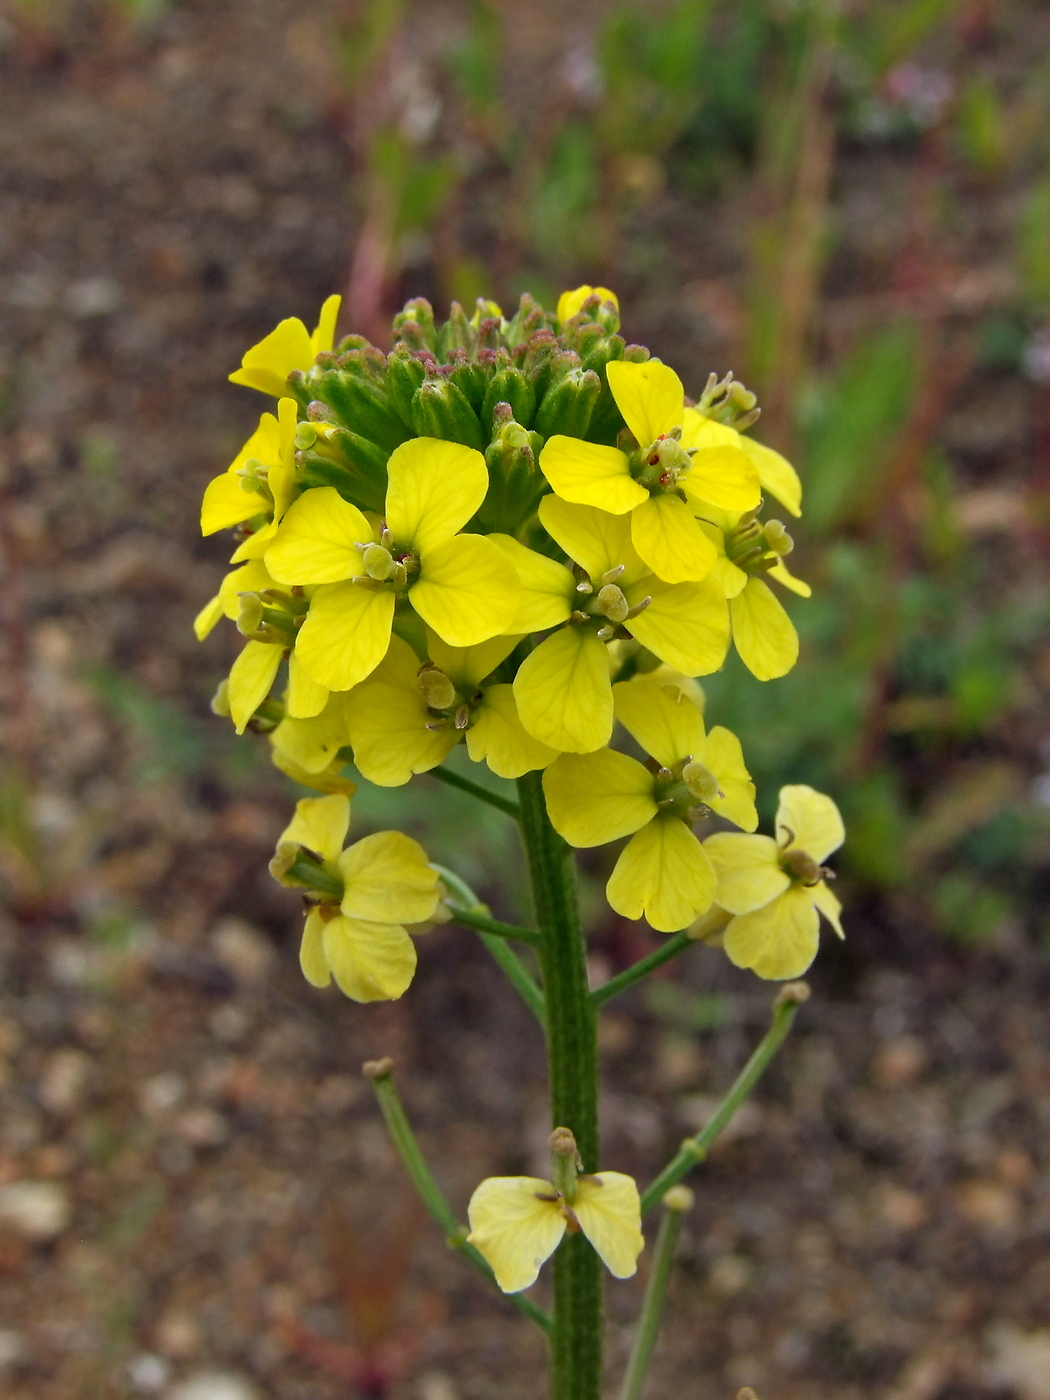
(522, 535)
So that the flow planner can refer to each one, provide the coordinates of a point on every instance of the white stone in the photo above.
(36, 1210)
(12, 1348)
(243, 950)
(214, 1385)
(148, 1372)
(1020, 1360)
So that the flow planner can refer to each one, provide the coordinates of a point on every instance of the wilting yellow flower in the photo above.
(570, 302)
(267, 365)
(407, 717)
(463, 586)
(387, 883)
(763, 634)
(517, 1222)
(661, 487)
(562, 688)
(663, 873)
(776, 475)
(775, 888)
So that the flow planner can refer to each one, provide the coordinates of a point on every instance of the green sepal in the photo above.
(534, 358)
(509, 386)
(360, 477)
(472, 379)
(456, 334)
(529, 318)
(404, 374)
(363, 406)
(569, 401)
(440, 409)
(515, 480)
(416, 319)
(596, 353)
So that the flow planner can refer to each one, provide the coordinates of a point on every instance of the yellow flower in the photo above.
(570, 302)
(661, 487)
(517, 1222)
(267, 365)
(562, 688)
(462, 585)
(776, 475)
(387, 883)
(260, 481)
(763, 634)
(663, 873)
(775, 888)
(312, 743)
(406, 718)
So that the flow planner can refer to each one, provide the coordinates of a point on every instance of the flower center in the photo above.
(685, 789)
(384, 565)
(802, 867)
(663, 463)
(608, 608)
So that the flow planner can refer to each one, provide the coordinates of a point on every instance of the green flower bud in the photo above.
(405, 373)
(509, 386)
(441, 410)
(352, 464)
(471, 378)
(416, 318)
(363, 406)
(456, 334)
(568, 403)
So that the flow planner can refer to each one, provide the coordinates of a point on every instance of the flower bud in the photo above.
(440, 409)
(612, 603)
(362, 404)
(511, 387)
(418, 315)
(567, 405)
(405, 372)
(436, 688)
(679, 1198)
(562, 1143)
(456, 334)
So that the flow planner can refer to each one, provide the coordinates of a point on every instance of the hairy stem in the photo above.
(518, 975)
(674, 945)
(695, 1149)
(483, 794)
(576, 1343)
(655, 1292)
(380, 1072)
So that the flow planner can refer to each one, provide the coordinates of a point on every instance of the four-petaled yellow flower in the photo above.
(267, 365)
(776, 475)
(387, 883)
(570, 302)
(775, 888)
(462, 585)
(663, 873)
(517, 1222)
(661, 487)
(407, 717)
(259, 482)
(563, 688)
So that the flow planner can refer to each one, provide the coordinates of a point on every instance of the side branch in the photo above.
(483, 794)
(380, 1072)
(695, 1149)
(667, 950)
(466, 908)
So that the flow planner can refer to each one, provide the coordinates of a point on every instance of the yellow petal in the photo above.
(329, 779)
(467, 667)
(387, 720)
(570, 302)
(208, 616)
(318, 538)
(590, 474)
(730, 579)
(724, 758)
(435, 487)
(498, 737)
(592, 538)
(249, 578)
(778, 941)
(724, 477)
(597, 797)
(370, 962)
(319, 824)
(467, 590)
(311, 952)
(514, 1229)
(610, 1215)
(703, 433)
(345, 635)
(828, 905)
(670, 541)
(787, 579)
(251, 677)
(663, 721)
(305, 698)
(255, 545)
(563, 693)
(548, 589)
(763, 633)
(323, 337)
(650, 397)
(267, 365)
(664, 874)
(749, 875)
(686, 624)
(387, 880)
(808, 821)
(313, 743)
(281, 479)
(226, 505)
(776, 474)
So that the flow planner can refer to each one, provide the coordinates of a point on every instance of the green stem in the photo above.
(666, 951)
(496, 927)
(576, 1344)
(380, 1072)
(518, 974)
(483, 794)
(695, 1149)
(655, 1293)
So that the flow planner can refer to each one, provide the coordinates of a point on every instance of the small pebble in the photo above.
(12, 1348)
(36, 1210)
(148, 1372)
(214, 1385)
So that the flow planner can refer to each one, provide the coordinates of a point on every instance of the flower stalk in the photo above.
(677, 1201)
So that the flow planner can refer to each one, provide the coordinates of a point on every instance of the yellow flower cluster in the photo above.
(518, 534)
